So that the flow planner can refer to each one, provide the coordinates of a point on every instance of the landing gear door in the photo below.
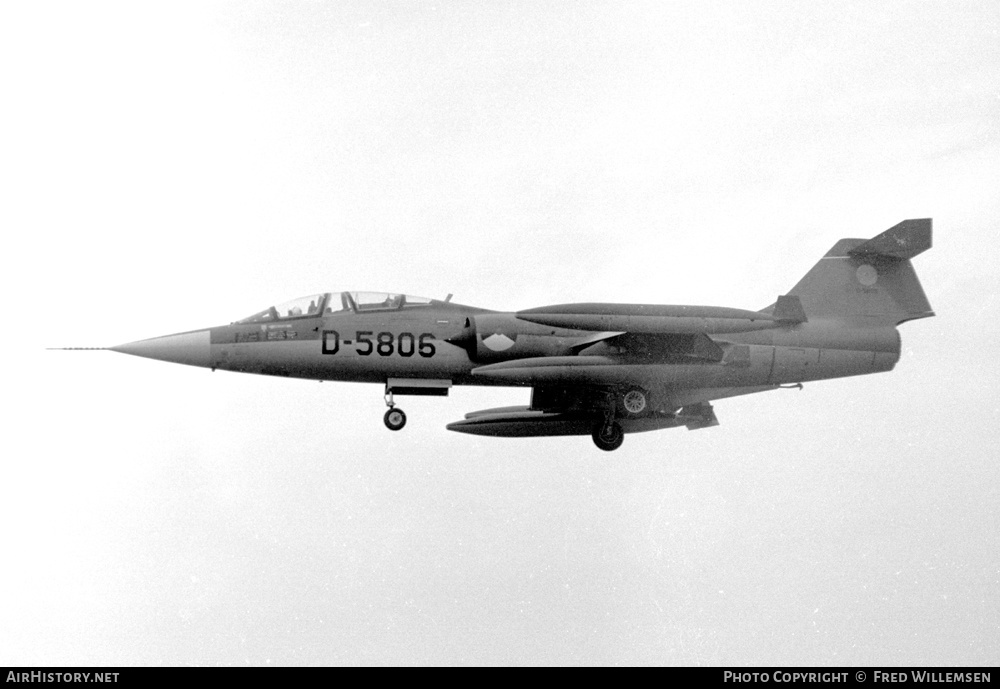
(418, 386)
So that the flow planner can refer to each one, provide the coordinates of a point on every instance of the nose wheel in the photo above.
(394, 419)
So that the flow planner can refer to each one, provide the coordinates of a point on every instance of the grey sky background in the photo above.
(175, 166)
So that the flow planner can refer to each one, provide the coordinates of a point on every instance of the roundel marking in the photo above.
(498, 342)
(867, 275)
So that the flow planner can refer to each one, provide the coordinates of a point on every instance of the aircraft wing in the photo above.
(647, 333)
(629, 347)
(610, 360)
(629, 342)
(663, 348)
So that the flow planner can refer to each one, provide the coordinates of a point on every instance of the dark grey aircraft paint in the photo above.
(598, 369)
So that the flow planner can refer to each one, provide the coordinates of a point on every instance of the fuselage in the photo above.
(438, 340)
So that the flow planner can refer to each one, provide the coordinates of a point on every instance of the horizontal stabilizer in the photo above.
(902, 241)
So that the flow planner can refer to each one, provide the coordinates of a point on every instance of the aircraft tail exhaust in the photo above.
(868, 281)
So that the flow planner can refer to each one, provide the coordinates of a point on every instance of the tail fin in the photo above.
(871, 281)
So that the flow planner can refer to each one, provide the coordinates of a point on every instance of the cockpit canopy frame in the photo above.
(328, 303)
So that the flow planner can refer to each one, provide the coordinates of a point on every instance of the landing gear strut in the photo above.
(394, 419)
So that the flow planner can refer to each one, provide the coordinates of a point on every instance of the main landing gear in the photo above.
(394, 419)
(608, 436)
(628, 403)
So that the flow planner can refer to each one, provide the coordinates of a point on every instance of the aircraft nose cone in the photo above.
(192, 348)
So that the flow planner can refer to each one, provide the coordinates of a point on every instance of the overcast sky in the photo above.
(173, 166)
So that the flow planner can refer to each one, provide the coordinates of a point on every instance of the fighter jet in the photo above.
(595, 369)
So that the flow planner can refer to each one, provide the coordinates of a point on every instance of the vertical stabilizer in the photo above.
(869, 281)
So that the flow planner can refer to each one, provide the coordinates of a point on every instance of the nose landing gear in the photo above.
(394, 419)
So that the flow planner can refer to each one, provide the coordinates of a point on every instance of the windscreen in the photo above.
(296, 308)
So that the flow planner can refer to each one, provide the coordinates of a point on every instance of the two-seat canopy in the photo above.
(334, 302)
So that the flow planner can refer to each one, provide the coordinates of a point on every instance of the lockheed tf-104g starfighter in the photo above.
(602, 370)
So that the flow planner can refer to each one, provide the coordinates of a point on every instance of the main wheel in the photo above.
(394, 419)
(634, 402)
(609, 436)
